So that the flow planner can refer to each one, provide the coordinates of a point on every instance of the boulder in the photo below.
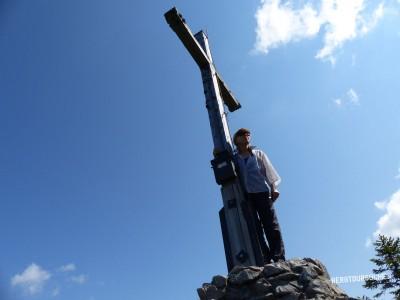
(294, 279)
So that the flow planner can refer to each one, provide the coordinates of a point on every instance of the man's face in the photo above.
(243, 140)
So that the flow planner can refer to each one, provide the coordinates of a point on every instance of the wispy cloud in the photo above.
(380, 204)
(279, 23)
(373, 21)
(55, 292)
(32, 279)
(398, 170)
(338, 102)
(353, 60)
(80, 279)
(67, 268)
(350, 98)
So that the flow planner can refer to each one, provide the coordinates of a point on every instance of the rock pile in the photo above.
(294, 279)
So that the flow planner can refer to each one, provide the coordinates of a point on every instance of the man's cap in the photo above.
(241, 131)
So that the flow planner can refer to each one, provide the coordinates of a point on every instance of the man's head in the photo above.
(241, 137)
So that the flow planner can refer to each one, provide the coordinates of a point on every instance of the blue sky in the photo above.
(106, 187)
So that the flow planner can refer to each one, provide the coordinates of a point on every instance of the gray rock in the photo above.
(319, 267)
(297, 265)
(261, 287)
(212, 293)
(275, 269)
(281, 290)
(233, 293)
(202, 294)
(296, 284)
(308, 274)
(295, 279)
(323, 287)
(244, 275)
(269, 296)
(282, 278)
(292, 296)
(319, 297)
(219, 281)
(317, 287)
(237, 269)
(255, 289)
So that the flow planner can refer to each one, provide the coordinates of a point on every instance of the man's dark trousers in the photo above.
(264, 206)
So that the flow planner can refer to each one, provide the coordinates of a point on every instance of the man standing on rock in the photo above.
(260, 181)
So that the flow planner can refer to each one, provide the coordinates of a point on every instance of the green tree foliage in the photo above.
(387, 261)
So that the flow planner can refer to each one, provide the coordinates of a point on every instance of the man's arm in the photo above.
(274, 194)
(273, 179)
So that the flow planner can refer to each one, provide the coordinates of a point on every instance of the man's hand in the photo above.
(274, 194)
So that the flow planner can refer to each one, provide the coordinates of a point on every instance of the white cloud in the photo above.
(368, 243)
(80, 279)
(398, 175)
(345, 20)
(389, 223)
(376, 16)
(380, 205)
(353, 96)
(32, 279)
(353, 60)
(338, 102)
(67, 268)
(279, 23)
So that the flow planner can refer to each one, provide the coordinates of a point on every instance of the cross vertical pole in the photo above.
(214, 103)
